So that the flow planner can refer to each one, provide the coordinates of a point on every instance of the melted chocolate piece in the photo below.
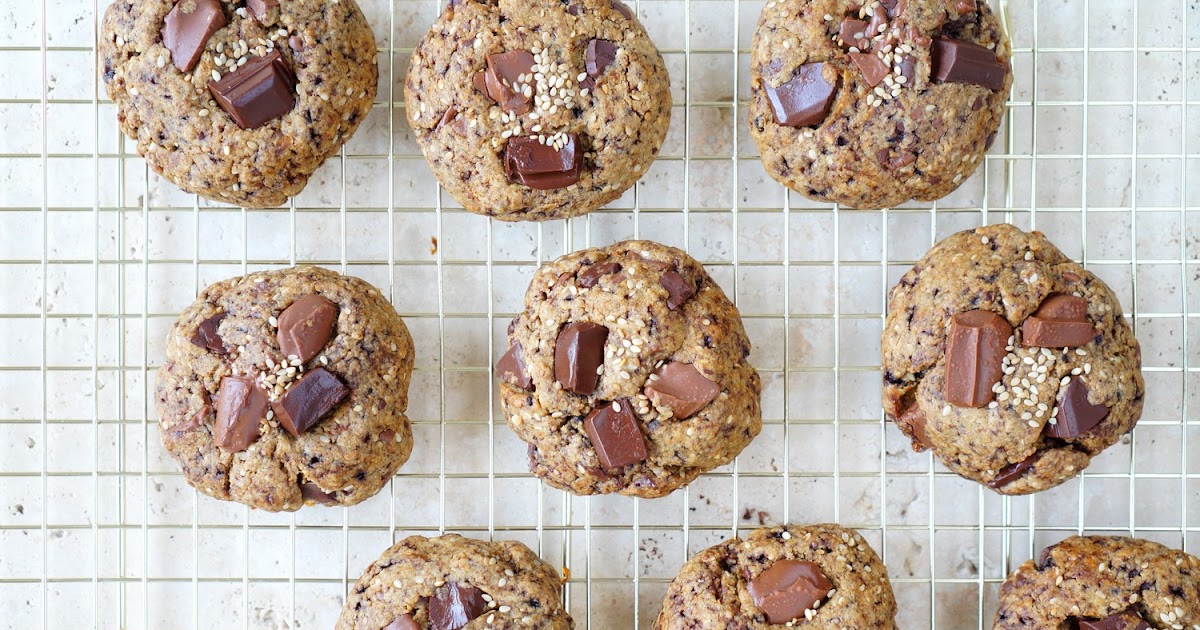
(789, 588)
(241, 406)
(403, 622)
(511, 368)
(805, 99)
(454, 605)
(1012, 472)
(678, 289)
(312, 492)
(614, 433)
(681, 387)
(541, 166)
(1076, 416)
(578, 353)
(1059, 322)
(599, 56)
(308, 400)
(915, 420)
(958, 61)
(1120, 621)
(592, 275)
(871, 66)
(305, 327)
(259, 9)
(257, 92)
(503, 82)
(207, 335)
(975, 352)
(187, 28)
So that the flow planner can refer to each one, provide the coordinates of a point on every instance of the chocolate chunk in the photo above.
(308, 400)
(403, 622)
(257, 92)
(454, 605)
(449, 115)
(503, 81)
(207, 335)
(975, 355)
(615, 435)
(681, 387)
(241, 406)
(1076, 416)
(259, 9)
(915, 420)
(480, 82)
(678, 289)
(296, 43)
(305, 326)
(541, 166)
(511, 368)
(878, 24)
(1059, 322)
(852, 31)
(908, 70)
(313, 492)
(600, 54)
(578, 354)
(789, 588)
(958, 61)
(1119, 621)
(871, 66)
(963, 7)
(592, 275)
(894, 7)
(1012, 472)
(623, 8)
(804, 100)
(187, 28)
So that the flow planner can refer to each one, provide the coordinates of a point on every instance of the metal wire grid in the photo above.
(98, 528)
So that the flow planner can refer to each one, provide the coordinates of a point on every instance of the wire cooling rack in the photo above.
(98, 528)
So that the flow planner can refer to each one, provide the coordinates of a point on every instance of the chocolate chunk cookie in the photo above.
(1103, 583)
(822, 577)
(239, 104)
(287, 387)
(539, 109)
(627, 372)
(451, 582)
(1011, 362)
(871, 103)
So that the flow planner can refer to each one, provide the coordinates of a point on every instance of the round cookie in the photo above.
(627, 372)
(248, 134)
(444, 583)
(539, 109)
(870, 106)
(287, 387)
(1103, 583)
(822, 577)
(1011, 362)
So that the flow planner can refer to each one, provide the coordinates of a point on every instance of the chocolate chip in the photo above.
(600, 54)
(305, 326)
(1119, 621)
(789, 588)
(405, 621)
(207, 335)
(678, 289)
(1076, 415)
(871, 66)
(975, 354)
(805, 99)
(915, 420)
(1059, 322)
(259, 8)
(592, 275)
(501, 80)
(578, 353)
(313, 492)
(454, 605)
(511, 368)
(958, 61)
(308, 400)
(257, 92)
(615, 435)
(1012, 472)
(681, 387)
(851, 31)
(541, 166)
(187, 28)
(241, 406)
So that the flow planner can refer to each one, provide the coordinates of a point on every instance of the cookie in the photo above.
(540, 109)
(871, 106)
(287, 387)
(450, 582)
(821, 577)
(1011, 362)
(238, 104)
(627, 372)
(1103, 583)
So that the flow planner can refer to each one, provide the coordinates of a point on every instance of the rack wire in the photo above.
(1100, 150)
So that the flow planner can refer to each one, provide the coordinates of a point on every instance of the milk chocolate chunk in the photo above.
(1076, 416)
(852, 30)
(915, 420)
(578, 354)
(454, 605)
(207, 335)
(308, 400)
(681, 387)
(614, 433)
(871, 66)
(958, 61)
(623, 8)
(963, 7)
(678, 289)
(1119, 621)
(1012, 472)
(305, 326)
(187, 28)
(241, 406)
(975, 354)
(312, 492)
(259, 8)
(511, 368)
(789, 588)
(1059, 322)
(804, 100)
(592, 275)
(542, 166)
(259, 91)
(505, 79)
(403, 622)
(600, 55)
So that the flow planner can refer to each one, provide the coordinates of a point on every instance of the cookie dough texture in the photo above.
(920, 144)
(1002, 269)
(188, 139)
(351, 453)
(403, 579)
(706, 331)
(1097, 576)
(711, 589)
(621, 122)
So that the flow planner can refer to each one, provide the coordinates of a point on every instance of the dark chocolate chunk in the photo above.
(614, 432)
(187, 28)
(1012, 472)
(852, 31)
(915, 420)
(975, 354)
(257, 92)
(454, 605)
(681, 387)
(578, 354)
(805, 99)
(541, 166)
(207, 335)
(447, 117)
(600, 54)
(623, 8)
(789, 588)
(403, 622)
(958, 61)
(259, 9)
(871, 66)
(1059, 322)
(241, 406)
(678, 289)
(1119, 621)
(312, 492)
(511, 368)
(308, 400)
(592, 275)
(908, 70)
(1076, 416)
(503, 82)
(305, 326)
